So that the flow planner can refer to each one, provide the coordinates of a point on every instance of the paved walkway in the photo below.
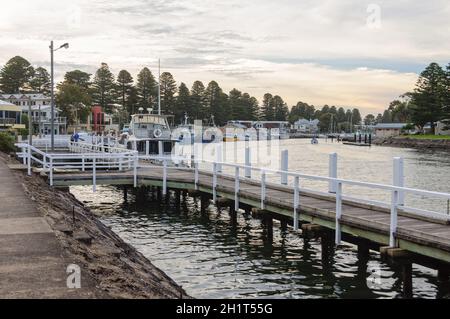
(32, 264)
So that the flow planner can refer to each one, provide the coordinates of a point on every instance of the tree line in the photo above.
(123, 95)
(428, 103)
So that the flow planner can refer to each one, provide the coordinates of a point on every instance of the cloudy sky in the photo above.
(337, 52)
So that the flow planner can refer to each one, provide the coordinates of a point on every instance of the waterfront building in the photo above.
(306, 126)
(10, 116)
(388, 129)
(40, 111)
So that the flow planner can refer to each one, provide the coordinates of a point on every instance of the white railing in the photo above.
(90, 157)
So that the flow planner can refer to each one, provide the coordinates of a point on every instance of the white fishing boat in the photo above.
(150, 134)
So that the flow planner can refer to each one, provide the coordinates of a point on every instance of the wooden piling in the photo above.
(406, 269)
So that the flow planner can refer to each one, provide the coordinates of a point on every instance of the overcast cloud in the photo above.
(320, 52)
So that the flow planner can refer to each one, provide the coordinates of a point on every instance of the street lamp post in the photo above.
(52, 109)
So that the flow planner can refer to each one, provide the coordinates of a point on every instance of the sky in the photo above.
(350, 53)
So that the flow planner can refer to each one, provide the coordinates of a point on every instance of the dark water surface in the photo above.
(211, 258)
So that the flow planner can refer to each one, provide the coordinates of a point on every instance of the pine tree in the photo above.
(15, 75)
(183, 103)
(124, 86)
(428, 98)
(103, 88)
(217, 103)
(446, 116)
(356, 117)
(78, 77)
(198, 101)
(147, 89)
(40, 82)
(281, 110)
(168, 89)
(252, 112)
(267, 109)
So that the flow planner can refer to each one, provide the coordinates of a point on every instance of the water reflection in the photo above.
(212, 258)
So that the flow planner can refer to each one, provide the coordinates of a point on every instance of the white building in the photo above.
(306, 126)
(40, 111)
(388, 129)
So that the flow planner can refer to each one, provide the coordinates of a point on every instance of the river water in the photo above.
(212, 258)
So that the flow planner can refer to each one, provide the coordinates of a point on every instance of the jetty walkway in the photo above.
(32, 264)
(406, 234)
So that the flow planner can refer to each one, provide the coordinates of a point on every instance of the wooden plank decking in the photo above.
(430, 238)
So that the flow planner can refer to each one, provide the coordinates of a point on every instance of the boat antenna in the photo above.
(159, 86)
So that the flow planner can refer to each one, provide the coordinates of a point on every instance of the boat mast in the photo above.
(159, 86)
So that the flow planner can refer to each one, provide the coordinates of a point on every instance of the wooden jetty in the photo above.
(399, 232)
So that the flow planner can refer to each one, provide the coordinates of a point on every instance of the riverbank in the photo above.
(117, 269)
(409, 142)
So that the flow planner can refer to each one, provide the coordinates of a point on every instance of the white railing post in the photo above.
(51, 171)
(263, 188)
(393, 224)
(160, 148)
(147, 148)
(196, 175)
(135, 164)
(44, 162)
(219, 157)
(284, 167)
(82, 163)
(236, 188)
(332, 172)
(24, 156)
(296, 201)
(164, 190)
(29, 160)
(120, 162)
(248, 163)
(214, 181)
(399, 178)
(338, 213)
(94, 177)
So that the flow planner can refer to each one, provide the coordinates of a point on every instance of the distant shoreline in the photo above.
(408, 142)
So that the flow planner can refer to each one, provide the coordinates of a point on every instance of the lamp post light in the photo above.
(52, 109)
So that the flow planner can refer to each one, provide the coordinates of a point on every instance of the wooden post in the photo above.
(398, 178)
(407, 279)
(94, 177)
(204, 203)
(284, 166)
(29, 159)
(393, 224)
(338, 214)
(332, 172)
(177, 199)
(296, 201)
(263, 188)
(164, 190)
(248, 163)
(269, 226)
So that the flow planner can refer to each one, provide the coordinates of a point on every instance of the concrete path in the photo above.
(32, 264)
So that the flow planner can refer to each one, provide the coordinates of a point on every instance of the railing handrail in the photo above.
(101, 156)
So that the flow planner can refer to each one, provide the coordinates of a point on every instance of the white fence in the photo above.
(98, 157)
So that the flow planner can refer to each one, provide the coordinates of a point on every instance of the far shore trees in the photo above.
(124, 95)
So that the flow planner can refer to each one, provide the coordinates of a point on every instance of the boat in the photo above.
(185, 132)
(150, 134)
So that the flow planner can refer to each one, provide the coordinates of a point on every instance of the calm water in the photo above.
(211, 258)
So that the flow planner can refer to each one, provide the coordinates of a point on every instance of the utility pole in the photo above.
(52, 103)
(159, 86)
(30, 123)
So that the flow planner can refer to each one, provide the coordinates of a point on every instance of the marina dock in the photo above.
(400, 233)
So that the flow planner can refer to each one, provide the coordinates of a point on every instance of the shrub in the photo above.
(6, 142)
